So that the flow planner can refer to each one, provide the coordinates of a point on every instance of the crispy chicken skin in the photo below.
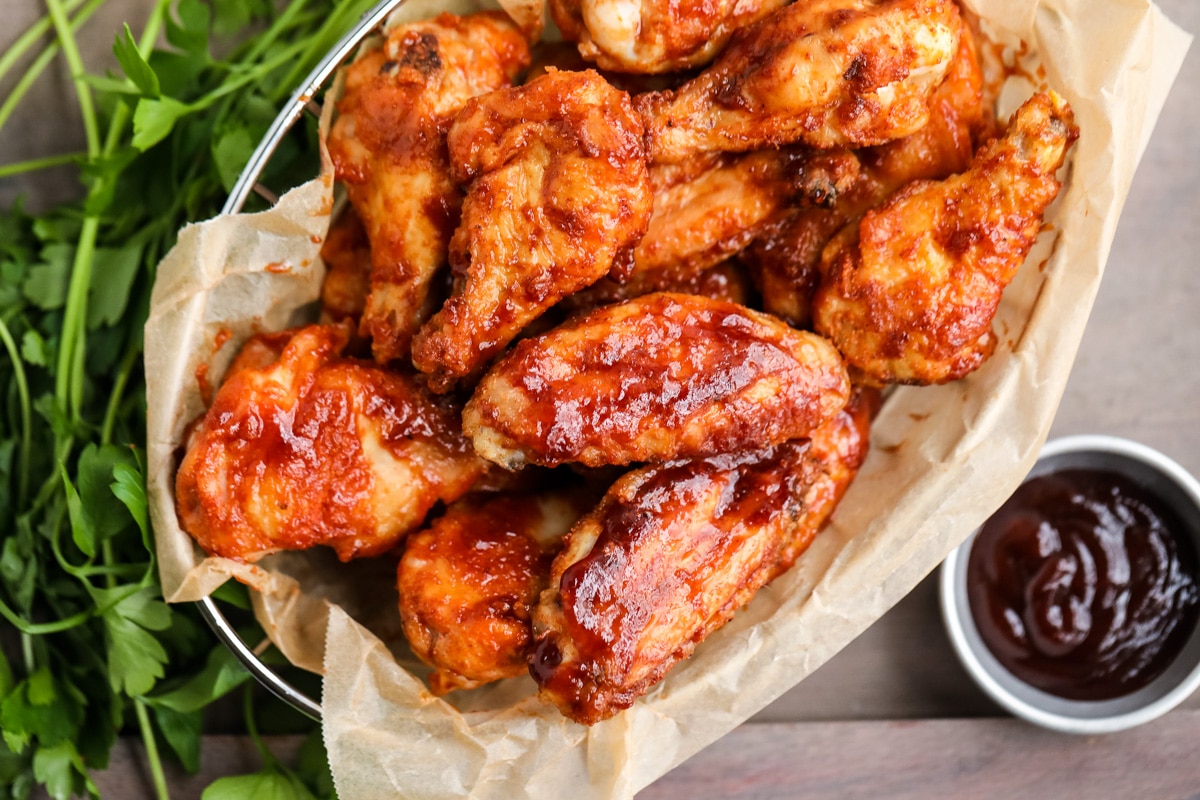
(302, 447)
(727, 281)
(654, 36)
(660, 377)
(710, 207)
(785, 257)
(388, 146)
(468, 582)
(347, 256)
(839, 447)
(908, 295)
(557, 192)
(826, 73)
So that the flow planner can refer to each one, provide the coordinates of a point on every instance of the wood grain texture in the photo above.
(971, 758)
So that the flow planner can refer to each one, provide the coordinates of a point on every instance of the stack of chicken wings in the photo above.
(602, 339)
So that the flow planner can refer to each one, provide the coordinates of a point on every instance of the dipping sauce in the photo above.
(1083, 584)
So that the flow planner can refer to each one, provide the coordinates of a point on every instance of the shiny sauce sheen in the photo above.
(1084, 584)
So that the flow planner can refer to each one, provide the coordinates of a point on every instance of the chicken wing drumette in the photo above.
(468, 583)
(826, 73)
(558, 191)
(908, 294)
(671, 552)
(302, 447)
(784, 259)
(388, 146)
(660, 377)
(654, 36)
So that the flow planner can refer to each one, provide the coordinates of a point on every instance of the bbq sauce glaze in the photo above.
(1083, 584)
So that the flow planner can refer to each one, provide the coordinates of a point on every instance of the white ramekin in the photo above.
(1158, 475)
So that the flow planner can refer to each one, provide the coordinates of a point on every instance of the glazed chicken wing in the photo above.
(672, 551)
(468, 582)
(558, 191)
(710, 207)
(838, 448)
(653, 36)
(347, 256)
(784, 258)
(302, 447)
(660, 377)
(826, 73)
(389, 150)
(908, 295)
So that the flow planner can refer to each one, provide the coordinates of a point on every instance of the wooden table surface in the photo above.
(894, 714)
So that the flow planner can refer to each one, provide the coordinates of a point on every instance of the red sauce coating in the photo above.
(1082, 585)
(660, 377)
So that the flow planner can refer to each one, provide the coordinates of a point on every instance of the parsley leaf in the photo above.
(154, 118)
(112, 281)
(135, 656)
(181, 729)
(134, 66)
(266, 785)
(222, 673)
(130, 489)
(45, 284)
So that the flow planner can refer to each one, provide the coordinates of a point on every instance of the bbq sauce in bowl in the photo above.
(1083, 584)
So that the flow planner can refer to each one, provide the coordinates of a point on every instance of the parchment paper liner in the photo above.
(942, 459)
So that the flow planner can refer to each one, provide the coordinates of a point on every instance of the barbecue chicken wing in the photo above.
(826, 73)
(710, 207)
(727, 281)
(653, 36)
(388, 146)
(672, 551)
(347, 257)
(302, 447)
(839, 448)
(908, 295)
(468, 582)
(660, 377)
(784, 258)
(558, 191)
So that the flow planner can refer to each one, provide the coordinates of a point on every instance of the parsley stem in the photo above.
(70, 49)
(278, 26)
(29, 38)
(249, 76)
(34, 70)
(337, 22)
(27, 653)
(68, 382)
(151, 744)
(26, 415)
(114, 399)
(35, 164)
(268, 758)
(41, 628)
(67, 567)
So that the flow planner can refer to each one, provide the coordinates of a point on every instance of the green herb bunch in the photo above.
(88, 648)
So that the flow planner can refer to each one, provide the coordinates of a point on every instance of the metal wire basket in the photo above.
(248, 182)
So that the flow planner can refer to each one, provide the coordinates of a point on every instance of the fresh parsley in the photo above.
(88, 648)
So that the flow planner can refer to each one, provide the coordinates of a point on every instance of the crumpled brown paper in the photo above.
(942, 459)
